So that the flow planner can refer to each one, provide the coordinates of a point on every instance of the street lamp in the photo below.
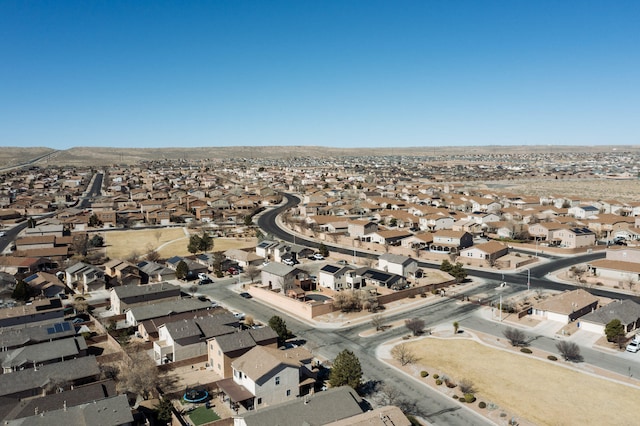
(528, 279)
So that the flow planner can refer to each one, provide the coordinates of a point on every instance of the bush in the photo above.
(552, 358)
(423, 295)
(455, 396)
(450, 385)
(436, 376)
(411, 296)
(469, 397)
(525, 350)
(438, 382)
(423, 373)
(482, 404)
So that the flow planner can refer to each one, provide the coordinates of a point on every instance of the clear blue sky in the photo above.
(334, 73)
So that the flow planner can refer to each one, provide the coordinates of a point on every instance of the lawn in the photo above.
(171, 242)
(202, 415)
(541, 392)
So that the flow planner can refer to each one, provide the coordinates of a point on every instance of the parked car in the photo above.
(202, 276)
(245, 295)
(233, 271)
(633, 347)
(342, 262)
(239, 315)
(318, 256)
(289, 262)
(2, 233)
(206, 280)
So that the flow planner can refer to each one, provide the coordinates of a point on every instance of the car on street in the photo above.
(206, 280)
(633, 347)
(245, 295)
(2, 234)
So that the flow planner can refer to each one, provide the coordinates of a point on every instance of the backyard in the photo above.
(540, 391)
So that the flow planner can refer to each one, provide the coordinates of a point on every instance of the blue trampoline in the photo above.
(195, 395)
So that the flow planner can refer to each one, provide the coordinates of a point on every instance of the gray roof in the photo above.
(396, 258)
(138, 290)
(31, 378)
(279, 269)
(76, 396)
(153, 268)
(245, 339)
(14, 337)
(627, 311)
(112, 411)
(312, 410)
(203, 326)
(43, 352)
(161, 309)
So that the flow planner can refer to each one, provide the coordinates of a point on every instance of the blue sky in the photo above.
(329, 73)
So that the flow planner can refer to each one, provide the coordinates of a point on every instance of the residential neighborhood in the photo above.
(181, 270)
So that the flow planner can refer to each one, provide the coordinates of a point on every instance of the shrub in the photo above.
(411, 296)
(438, 382)
(423, 295)
(461, 400)
(455, 396)
(469, 397)
(525, 350)
(599, 283)
(552, 358)
(436, 376)
(482, 404)
(423, 373)
(450, 385)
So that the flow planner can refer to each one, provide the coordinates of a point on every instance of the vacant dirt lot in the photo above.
(167, 241)
(539, 391)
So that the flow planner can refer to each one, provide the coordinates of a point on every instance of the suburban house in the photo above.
(375, 277)
(398, 264)
(187, 338)
(152, 272)
(566, 307)
(45, 284)
(574, 237)
(389, 237)
(22, 265)
(321, 408)
(39, 311)
(162, 308)
(359, 228)
(584, 212)
(265, 249)
(85, 277)
(243, 258)
(449, 241)
(193, 266)
(34, 381)
(17, 337)
(333, 276)
(42, 353)
(127, 296)
(224, 349)
(627, 311)
(266, 376)
(122, 272)
(279, 276)
(487, 252)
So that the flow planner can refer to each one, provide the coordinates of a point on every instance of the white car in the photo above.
(2, 233)
(202, 276)
(289, 262)
(318, 256)
(633, 347)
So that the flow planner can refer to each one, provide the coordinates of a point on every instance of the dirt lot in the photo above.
(168, 241)
(540, 391)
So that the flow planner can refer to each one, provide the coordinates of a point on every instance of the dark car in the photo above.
(205, 281)
(245, 295)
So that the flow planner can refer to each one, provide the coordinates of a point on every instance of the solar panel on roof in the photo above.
(58, 328)
(30, 278)
(50, 330)
(66, 326)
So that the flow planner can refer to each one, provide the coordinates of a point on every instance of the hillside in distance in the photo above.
(100, 156)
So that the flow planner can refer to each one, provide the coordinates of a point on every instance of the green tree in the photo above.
(206, 242)
(194, 244)
(94, 221)
(248, 220)
(96, 241)
(323, 250)
(279, 325)
(458, 272)
(446, 266)
(182, 270)
(614, 330)
(346, 370)
(164, 410)
(21, 292)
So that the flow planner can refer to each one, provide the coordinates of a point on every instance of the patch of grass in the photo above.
(202, 415)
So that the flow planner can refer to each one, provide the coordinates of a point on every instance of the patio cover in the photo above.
(236, 392)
